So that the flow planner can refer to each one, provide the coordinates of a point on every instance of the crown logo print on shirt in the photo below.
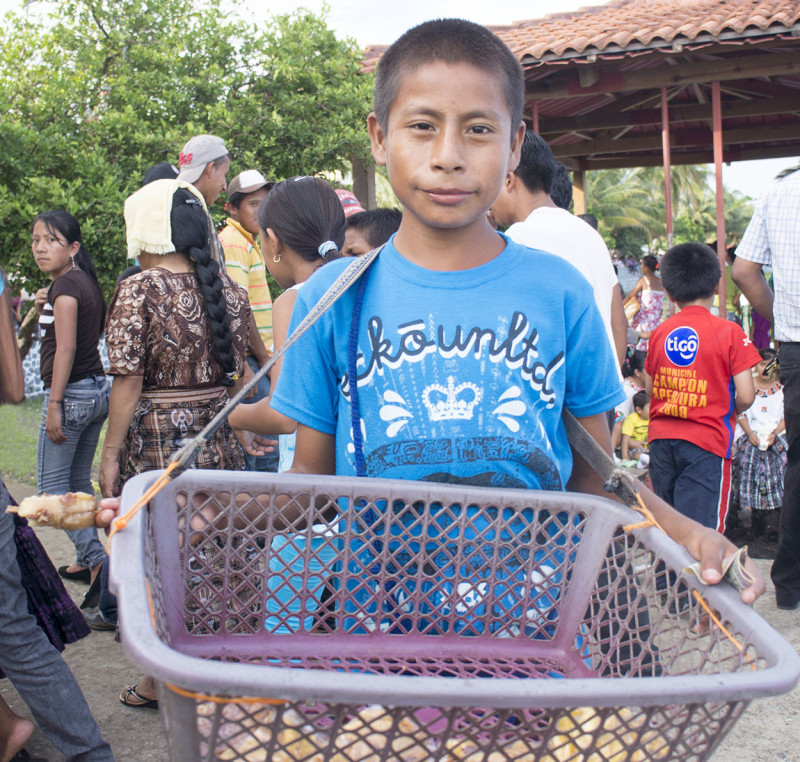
(451, 402)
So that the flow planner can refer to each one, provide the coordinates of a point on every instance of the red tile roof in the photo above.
(631, 26)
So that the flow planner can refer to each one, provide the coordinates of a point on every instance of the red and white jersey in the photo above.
(692, 359)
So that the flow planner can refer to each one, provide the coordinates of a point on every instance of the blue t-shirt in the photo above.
(462, 377)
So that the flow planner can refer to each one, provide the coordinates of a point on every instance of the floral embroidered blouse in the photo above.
(157, 328)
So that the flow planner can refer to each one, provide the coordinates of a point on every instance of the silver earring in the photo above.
(276, 259)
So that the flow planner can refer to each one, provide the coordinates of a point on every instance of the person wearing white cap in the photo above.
(204, 162)
(245, 265)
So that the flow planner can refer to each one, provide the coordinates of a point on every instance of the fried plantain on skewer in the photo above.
(75, 510)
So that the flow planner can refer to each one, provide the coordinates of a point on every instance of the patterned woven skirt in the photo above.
(164, 420)
(760, 474)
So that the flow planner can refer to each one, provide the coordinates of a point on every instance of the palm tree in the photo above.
(624, 200)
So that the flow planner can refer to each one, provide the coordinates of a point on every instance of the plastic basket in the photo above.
(370, 620)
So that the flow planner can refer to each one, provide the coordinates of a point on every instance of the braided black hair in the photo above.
(190, 232)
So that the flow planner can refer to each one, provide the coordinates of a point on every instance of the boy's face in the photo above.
(355, 244)
(644, 412)
(247, 213)
(447, 144)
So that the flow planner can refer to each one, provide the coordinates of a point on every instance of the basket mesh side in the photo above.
(329, 588)
(487, 579)
(644, 621)
(349, 733)
(382, 585)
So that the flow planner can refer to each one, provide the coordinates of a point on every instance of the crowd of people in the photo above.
(194, 318)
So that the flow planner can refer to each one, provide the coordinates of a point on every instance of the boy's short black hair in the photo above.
(561, 192)
(690, 271)
(376, 225)
(537, 168)
(639, 400)
(451, 41)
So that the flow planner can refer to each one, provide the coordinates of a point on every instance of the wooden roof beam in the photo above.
(613, 119)
(786, 150)
(686, 139)
(567, 84)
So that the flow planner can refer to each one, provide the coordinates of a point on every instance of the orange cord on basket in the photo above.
(650, 520)
(714, 618)
(219, 700)
(156, 487)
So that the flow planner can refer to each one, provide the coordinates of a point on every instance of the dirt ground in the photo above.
(769, 730)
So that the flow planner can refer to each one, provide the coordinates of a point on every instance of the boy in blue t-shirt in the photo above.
(466, 347)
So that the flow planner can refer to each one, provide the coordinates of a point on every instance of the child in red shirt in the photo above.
(699, 378)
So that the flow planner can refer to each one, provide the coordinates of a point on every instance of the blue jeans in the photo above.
(268, 462)
(67, 467)
(35, 667)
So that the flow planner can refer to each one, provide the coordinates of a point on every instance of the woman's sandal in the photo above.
(130, 697)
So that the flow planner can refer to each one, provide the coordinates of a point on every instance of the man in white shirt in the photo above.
(773, 238)
(535, 220)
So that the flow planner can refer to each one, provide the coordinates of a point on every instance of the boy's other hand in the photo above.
(710, 548)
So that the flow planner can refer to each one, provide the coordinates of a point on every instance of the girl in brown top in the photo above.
(71, 312)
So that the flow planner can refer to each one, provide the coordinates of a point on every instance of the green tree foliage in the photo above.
(103, 89)
(631, 207)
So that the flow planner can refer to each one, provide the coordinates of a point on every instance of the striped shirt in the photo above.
(245, 265)
(773, 238)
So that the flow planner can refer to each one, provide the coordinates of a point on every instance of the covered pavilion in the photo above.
(636, 83)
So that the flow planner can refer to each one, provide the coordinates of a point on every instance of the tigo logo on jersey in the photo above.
(681, 346)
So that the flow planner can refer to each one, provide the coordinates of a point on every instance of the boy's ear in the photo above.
(377, 140)
(516, 147)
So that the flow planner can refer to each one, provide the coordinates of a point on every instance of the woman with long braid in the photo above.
(176, 336)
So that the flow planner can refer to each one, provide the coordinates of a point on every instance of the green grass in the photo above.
(19, 425)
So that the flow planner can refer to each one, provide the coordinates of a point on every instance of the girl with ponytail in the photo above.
(302, 227)
(176, 335)
(71, 312)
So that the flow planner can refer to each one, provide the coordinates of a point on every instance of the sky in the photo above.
(374, 23)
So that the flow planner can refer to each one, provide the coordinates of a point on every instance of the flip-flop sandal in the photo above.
(139, 701)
